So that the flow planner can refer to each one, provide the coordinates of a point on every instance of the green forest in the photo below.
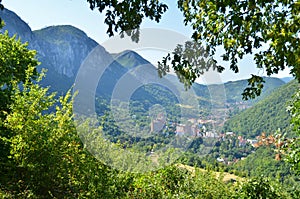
(268, 115)
(44, 154)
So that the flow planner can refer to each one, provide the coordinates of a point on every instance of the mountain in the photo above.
(287, 79)
(130, 59)
(15, 25)
(235, 88)
(113, 72)
(267, 115)
(230, 92)
(62, 50)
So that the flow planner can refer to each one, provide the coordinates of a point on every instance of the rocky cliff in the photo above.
(60, 49)
(63, 48)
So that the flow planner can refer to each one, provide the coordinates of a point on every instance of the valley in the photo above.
(207, 112)
(144, 123)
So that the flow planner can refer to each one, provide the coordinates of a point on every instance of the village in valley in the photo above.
(205, 129)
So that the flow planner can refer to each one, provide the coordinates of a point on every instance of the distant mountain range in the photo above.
(287, 79)
(62, 49)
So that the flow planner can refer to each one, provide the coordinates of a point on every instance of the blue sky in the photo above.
(42, 13)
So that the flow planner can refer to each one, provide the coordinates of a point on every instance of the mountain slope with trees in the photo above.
(266, 116)
(47, 160)
(62, 49)
(235, 88)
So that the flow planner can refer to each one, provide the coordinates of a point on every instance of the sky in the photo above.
(39, 14)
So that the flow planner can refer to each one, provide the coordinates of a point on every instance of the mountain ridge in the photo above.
(62, 49)
(267, 115)
(14, 24)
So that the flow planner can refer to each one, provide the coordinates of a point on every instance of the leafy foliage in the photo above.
(15, 60)
(47, 158)
(189, 62)
(263, 163)
(260, 188)
(293, 147)
(269, 29)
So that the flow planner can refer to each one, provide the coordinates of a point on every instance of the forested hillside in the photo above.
(263, 163)
(48, 151)
(266, 116)
(235, 88)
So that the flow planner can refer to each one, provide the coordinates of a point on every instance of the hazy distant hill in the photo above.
(130, 59)
(235, 88)
(287, 79)
(267, 115)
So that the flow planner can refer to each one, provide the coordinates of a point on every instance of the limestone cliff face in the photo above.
(63, 48)
(60, 49)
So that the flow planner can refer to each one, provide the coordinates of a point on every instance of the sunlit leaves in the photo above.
(269, 29)
(15, 59)
(189, 63)
(44, 147)
(292, 147)
(260, 188)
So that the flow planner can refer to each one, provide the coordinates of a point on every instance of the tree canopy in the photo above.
(128, 15)
(269, 29)
(14, 61)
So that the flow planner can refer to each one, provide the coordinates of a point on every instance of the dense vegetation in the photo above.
(263, 163)
(42, 155)
(46, 159)
(266, 116)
